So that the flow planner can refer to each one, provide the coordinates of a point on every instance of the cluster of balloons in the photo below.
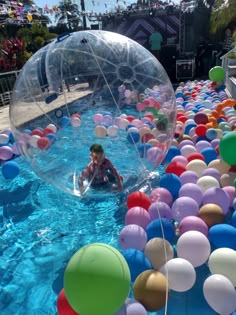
(8, 152)
(101, 272)
(43, 138)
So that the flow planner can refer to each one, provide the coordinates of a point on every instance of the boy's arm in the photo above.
(113, 170)
(84, 175)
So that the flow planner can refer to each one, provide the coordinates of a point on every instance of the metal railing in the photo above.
(7, 82)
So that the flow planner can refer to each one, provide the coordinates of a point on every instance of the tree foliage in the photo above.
(69, 14)
(223, 15)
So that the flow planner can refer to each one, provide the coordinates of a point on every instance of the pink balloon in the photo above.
(132, 236)
(161, 194)
(192, 223)
(139, 216)
(155, 155)
(97, 118)
(6, 153)
(231, 192)
(181, 159)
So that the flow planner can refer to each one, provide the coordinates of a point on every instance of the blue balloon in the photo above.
(10, 170)
(209, 154)
(171, 182)
(137, 262)
(223, 235)
(52, 137)
(64, 121)
(188, 128)
(158, 226)
(233, 219)
(28, 131)
(172, 152)
(129, 126)
(202, 138)
(11, 138)
(133, 137)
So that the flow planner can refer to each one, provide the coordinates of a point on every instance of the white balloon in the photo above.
(100, 131)
(112, 131)
(206, 182)
(4, 138)
(75, 122)
(180, 274)
(223, 261)
(220, 294)
(33, 141)
(132, 307)
(53, 127)
(194, 247)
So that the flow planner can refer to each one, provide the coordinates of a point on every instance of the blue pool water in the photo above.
(41, 227)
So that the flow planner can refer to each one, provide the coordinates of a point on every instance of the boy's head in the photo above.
(96, 152)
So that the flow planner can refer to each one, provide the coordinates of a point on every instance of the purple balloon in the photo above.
(184, 207)
(185, 142)
(159, 210)
(231, 192)
(202, 145)
(132, 236)
(188, 177)
(139, 216)
(212, 172)
(6, 153)
(161, 194)
(155, 155)
(193, 191)
(215, 143)
(217, 196)
(192, 223)
(132, 307)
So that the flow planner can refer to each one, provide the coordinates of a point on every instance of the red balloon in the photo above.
(63, 307)
(145, 138)
(232, 169)
(47, 131)
(201, 118)
(77, 116)
(201, 130)
(195, 156)
(183, 119)
(138, 199)
(37, 132)
(176, 168)
(43, 143)
(150, 116)
(130, 118)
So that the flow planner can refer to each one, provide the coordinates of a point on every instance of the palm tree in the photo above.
(223, 15)
(68, 13)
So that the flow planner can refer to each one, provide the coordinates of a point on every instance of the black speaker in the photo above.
(94, 27)
(185, 69)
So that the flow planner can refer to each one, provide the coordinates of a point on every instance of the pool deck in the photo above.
(25, 114)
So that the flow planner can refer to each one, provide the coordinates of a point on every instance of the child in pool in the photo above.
(100, 170)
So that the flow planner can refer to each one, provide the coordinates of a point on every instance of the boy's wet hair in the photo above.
(96, 148)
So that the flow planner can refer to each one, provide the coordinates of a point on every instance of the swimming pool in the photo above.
(41, 227)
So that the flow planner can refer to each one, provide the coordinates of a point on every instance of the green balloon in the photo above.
(217, 74)
(97, 280)
(227, 148)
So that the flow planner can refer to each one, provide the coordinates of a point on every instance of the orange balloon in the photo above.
(215, 114)
(228, 103)
(150, 289)
(211, 214)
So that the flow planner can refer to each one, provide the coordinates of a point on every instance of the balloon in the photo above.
(220, 294)
(43, 143)
(231, 192)
(194, 247)
(150, 289)
(223, 235)
(161, 228)
(161, 194)
(220, 165)
(132, 236)
(137, 262)
(206, 182)
(132, 307)
(222, 261)
(63, 307)
(193, 191)
(217, 74)
(106, 279)
(10, 170)
(6, 153)
(160, 209)
(158, 251)
(180, 274)
(226, 144)
(218, 197)
(70, 152)
(212, 172)
(189, 177)
(4, 138)
(183, 207)
(192, 223)
(196, 166)
(171, 182)
(138, 199)
(175, 168)
(139, 216)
